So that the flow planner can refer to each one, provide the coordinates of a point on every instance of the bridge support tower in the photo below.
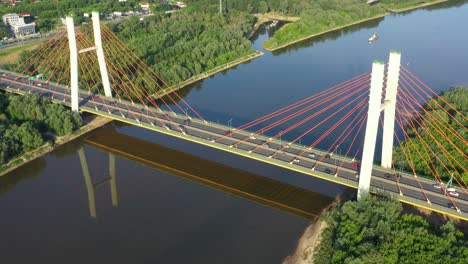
(393, 77)
(74, 52)
(373, 114)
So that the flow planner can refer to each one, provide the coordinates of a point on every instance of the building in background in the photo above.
(16, 27)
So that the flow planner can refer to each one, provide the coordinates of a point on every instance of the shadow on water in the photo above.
(11, 179)
(262, 190)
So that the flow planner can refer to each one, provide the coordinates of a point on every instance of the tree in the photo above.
(262, 7)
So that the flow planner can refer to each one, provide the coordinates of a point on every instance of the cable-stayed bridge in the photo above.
(106, 78)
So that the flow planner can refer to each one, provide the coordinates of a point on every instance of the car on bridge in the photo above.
(455, 194)
(451, 206)
(355, 164)
(311, 155)
(437, 186)
(328, 171)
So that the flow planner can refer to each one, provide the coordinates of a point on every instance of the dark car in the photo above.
(451, 206)
(228, 133)
(328, 171)
(388, 175)
(327, 156)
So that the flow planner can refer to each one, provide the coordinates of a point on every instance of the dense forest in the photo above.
(374, 230)
(185, 44)
(438, 154)
(27, 121)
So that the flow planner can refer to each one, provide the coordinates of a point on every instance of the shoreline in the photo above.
(211, 72)
(389, 11)
(94, 123)
(411, 8)
(270, 16)
(308, 244)
(324, 32)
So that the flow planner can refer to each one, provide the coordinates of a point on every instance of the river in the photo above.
(160, 217)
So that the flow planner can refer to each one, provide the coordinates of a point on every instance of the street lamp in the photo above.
(281, 143)
(186, 113)
(230, 123)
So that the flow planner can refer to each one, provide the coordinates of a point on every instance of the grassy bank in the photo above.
(303, 29)
(268, 45)
(91, 124)
(262, 18)
(402, 6)
(11, 55)
(215, 70)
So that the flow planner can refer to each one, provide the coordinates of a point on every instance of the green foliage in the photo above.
(402, 4)
(185, 44)
(3, 32)
(437, 149)
(26, 120)
(375, 231)
(322, 15)
(48, 12)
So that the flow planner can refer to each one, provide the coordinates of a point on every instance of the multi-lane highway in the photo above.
(407, 188)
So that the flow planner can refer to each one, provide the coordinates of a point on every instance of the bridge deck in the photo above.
(335, 169)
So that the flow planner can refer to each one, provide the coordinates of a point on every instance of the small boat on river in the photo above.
(373, 38)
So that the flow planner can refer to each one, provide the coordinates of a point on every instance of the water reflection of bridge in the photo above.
(260, 189)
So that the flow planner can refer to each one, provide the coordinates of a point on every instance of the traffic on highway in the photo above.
(325, 165)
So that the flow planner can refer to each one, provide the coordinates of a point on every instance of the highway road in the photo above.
(314, 162)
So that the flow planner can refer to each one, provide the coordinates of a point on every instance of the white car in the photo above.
(454, 194)
(296, 160)
(311, 155)
(252, 137)
(437, 186)
(451, 189)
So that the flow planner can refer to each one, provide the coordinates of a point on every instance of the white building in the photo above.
(16, 27)
(145, 5)
(9, 19)
(20, 30)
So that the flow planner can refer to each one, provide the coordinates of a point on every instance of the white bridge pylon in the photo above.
(74, 59)
(375, 107)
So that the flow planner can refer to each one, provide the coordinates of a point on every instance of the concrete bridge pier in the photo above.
(389, 105)
(73, 64)
(74, 52)
(373, 113)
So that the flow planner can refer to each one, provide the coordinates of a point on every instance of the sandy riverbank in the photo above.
(308, 244)
(91, 122)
